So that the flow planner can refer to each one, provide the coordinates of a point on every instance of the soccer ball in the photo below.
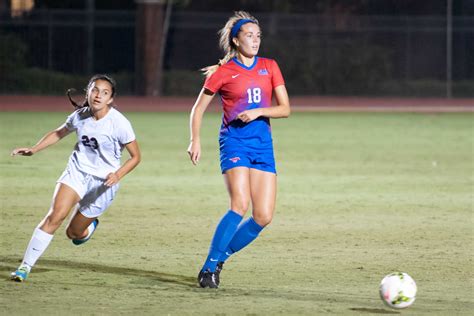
(398, 290)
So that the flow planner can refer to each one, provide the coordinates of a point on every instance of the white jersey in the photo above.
(99, 142)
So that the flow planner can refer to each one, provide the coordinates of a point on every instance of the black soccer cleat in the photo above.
(208, 279)
(219, 268)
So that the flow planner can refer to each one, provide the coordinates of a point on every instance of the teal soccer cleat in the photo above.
(78, 242)
(20, 274)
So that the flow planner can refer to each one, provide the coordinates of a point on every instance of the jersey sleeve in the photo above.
(277, 77)
(125, 132)
(71, 121)
(213, 83)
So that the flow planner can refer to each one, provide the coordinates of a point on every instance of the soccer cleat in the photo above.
(208, 279)
(219, 268)
(20, 274)
(78, 242)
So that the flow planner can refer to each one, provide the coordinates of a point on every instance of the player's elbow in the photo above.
(137, 158)
(286, 111)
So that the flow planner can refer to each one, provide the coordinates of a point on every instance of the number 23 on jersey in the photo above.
(90, 142)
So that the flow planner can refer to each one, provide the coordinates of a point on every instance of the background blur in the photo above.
(413, 48)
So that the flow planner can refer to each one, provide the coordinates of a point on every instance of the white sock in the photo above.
(38, 244)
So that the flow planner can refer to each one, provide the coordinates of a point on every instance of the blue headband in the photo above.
(236, 28)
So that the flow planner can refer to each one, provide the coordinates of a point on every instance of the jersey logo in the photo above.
(262, 72)
(235, 159)
(235, 76)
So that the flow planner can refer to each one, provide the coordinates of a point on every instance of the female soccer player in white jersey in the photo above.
(92, 175)
(246, 83)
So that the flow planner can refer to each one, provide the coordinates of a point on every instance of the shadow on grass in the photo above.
(7, 264)
(373, 310)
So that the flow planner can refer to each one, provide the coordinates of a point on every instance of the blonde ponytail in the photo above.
(225, 41)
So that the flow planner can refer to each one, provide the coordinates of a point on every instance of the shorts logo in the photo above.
(235, 159)
(262, 72)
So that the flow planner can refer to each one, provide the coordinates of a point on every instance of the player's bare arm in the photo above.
(129, 165)
(194, 149)
(47, 140)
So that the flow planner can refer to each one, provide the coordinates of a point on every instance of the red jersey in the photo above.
(243, 88)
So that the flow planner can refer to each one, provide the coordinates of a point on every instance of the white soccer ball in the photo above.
(398, 290)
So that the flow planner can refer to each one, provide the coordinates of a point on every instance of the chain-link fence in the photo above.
(48, 51)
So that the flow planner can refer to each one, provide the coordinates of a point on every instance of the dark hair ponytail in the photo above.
(94, 78)
(74, 103)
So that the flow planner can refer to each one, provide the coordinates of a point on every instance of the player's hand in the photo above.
(249, 115)
(22, 151)
(194, 151)
(111, 179)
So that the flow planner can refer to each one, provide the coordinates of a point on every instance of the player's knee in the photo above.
(69, 233)
(240, 206)
(53, 221)
(263, 219)
(72, 233)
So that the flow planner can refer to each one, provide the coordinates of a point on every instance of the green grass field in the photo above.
(360, 195)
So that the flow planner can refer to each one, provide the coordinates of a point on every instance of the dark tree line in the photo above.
(362, 7)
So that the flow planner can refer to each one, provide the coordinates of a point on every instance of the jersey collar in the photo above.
(243, 66)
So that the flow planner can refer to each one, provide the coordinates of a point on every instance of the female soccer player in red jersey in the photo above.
(246, 84)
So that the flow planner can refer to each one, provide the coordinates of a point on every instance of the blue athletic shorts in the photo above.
(261, 161)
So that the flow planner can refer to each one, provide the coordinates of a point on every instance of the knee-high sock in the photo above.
(38, 244)
(246, 233)
(224, 233)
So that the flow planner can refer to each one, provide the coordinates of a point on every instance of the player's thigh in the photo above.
(64, 199)
(263, 187)
(237, 181)
(95, 202)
